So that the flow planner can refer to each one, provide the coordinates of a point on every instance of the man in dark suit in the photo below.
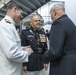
(36, 38)
(62, 52)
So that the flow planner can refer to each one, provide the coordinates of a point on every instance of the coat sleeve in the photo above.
(10, 44)
(57, 36)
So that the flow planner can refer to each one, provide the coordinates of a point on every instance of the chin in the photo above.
(18, 22)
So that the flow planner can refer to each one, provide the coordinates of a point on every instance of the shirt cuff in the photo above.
(26, 59)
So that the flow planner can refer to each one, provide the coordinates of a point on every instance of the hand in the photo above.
(24, 69)
(28, 50)
(24, 48)
(45, 66)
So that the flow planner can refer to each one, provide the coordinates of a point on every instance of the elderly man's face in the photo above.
(35, 22)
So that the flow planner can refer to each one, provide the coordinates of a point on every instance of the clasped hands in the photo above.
(28, 49)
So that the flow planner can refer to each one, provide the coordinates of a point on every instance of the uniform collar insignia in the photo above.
(7, 21)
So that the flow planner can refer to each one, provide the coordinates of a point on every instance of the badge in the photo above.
(42, 38)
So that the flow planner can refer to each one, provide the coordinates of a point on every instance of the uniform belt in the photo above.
(38, 50)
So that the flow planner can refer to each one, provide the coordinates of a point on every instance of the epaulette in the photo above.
(7, 21)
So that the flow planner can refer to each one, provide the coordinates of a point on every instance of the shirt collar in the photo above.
(9, 18)
(34, 29)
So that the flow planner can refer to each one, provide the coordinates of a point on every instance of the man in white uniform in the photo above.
(11, 54)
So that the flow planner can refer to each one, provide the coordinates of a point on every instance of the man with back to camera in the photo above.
(62, 51)
(11, 54)
(36, 38)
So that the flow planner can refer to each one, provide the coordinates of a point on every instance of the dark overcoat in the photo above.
(62, 52)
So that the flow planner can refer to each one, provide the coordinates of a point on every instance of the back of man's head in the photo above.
(57, 10)
(59, 6)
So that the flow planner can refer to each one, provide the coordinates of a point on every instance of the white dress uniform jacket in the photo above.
(11, 54)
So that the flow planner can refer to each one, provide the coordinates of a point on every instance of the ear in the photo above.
(55, 12)
(14, 9)
(30, 23)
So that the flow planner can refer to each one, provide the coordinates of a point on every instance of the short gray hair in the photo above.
(58, 6)
(34, 16)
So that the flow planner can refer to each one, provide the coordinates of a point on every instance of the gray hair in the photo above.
(58, 6)
(34, 16)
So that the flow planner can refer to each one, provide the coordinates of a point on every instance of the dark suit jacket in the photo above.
(30, 38)
(62, 52)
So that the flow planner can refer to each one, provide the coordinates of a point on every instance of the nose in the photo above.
(38, 21)
(22, 15)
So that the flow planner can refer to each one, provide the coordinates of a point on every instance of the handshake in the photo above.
(28, 49)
